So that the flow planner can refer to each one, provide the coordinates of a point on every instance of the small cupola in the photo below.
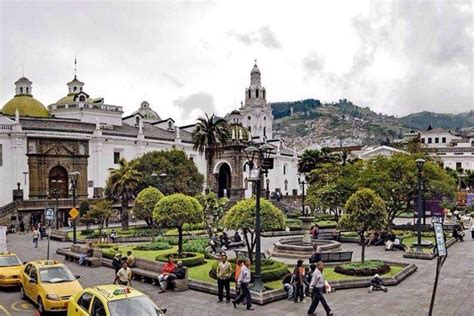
(23, 87)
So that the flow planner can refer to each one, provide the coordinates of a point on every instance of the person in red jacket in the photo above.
(167, 274)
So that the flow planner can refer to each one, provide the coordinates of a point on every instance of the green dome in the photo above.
(70, 99)
(26, 105)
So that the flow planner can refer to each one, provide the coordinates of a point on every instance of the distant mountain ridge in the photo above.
(308, 122)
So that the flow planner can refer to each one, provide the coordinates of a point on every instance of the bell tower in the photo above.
(256, 113)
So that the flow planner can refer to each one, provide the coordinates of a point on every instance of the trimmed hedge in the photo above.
(87, 232)
(196, 245)
(173, 241)
(271, 270)
(110, 253)
(368, 268)
(153, 246)
(191, 259)
(104, 246)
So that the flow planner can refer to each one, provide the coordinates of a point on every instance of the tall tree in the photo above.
(242, 216)
(312, 158)
(145, 204)
(177, 173)
(214, 209)
(210, 135)
(100, 211)
(364, 211)
(176, 210)
(122, 185)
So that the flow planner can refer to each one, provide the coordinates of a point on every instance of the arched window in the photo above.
(256, 93)
(21, 90)
(249, 118)
(27, 90)
(80, 89)
(265, 131)
(170, 125)
(286, 185)
(75, 89)
(263, 93)
(250, 93)
(137, 120)
(82, 98)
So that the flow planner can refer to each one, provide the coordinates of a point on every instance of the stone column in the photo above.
(307, 222)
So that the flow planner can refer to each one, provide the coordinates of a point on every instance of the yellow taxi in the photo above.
(112, 300)
(49, 284)
(10, 269)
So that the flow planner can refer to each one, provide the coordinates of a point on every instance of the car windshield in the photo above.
(9, 261)
(139, 305)
(56, 275)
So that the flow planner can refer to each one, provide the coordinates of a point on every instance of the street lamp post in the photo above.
(263, 153)
(267, 192)
(155, 177)
(419, 165)
(74, 175)
(56, 196)
(302, 182)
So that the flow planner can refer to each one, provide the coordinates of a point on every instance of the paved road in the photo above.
(412, 297)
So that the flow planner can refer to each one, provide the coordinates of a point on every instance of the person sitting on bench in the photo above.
(237, 237)
(88, 253)
(167, 272)
(376, 283)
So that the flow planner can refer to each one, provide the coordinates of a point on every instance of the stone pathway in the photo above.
(411, 297)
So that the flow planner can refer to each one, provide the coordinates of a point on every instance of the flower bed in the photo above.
(368, 268)
(189, 259)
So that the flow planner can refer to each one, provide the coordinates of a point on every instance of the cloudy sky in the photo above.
(189, 57)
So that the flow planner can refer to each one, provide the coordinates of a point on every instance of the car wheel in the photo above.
(22, 293)
(41, 307)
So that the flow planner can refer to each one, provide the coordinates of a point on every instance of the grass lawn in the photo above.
(149, 255)
(201, 273)
(410, 240)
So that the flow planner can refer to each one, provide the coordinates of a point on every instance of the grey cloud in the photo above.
(173, 80)
(263, 35)
(200, 100)
(431, 43)
(313, 63)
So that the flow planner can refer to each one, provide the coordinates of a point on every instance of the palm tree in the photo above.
(210, 135)
(122, 185)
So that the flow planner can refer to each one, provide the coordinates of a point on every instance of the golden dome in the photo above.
(26, 105)
(70, 99)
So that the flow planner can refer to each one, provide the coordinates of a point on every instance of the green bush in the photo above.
(271, 270)
(153, 246)
(144, 232)
(110, 253)
(173, 241)
(368, 268)
(324, 217)
(87, 232)
(189, 259)
(196, 245)
(293, 224)
(104, 246)
(174, 232)
(190, 227)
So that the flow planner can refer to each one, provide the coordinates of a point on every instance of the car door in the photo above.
(83, 305)
(98, 307)
(25, 278)
(33, 287)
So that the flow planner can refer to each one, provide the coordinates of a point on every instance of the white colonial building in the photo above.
(40, 145)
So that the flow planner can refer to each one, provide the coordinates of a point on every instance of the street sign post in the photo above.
(442, 255)
(73, 213)
(49, 215)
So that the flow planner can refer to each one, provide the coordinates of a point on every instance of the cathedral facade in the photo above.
(41, 146)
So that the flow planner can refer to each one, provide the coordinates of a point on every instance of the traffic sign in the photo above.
(73, 213)
(49, 213)
(440, 243)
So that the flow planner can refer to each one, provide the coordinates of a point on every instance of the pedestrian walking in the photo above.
(224, 272)
(117, 262)
(318, 285)
(124, 275)
(36, 236)
(298, 274)
(22, 228)
(243, 281)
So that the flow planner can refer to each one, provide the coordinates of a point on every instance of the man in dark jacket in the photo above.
(376, 283)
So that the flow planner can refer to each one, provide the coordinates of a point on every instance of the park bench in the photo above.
(74, 253)
(245, 254)
(236, 244)
(59, 235)
(148, 271)
(340, 256)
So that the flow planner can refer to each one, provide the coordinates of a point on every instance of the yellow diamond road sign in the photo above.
(73, 213)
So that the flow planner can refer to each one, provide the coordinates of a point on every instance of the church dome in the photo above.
(26, 106)
(147, 112)
(70, 98)
(24, 102)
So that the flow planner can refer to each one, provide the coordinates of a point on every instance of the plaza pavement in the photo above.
(411, 297)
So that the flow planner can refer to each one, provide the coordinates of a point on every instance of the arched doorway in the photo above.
(224, 180)
(58, 180)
